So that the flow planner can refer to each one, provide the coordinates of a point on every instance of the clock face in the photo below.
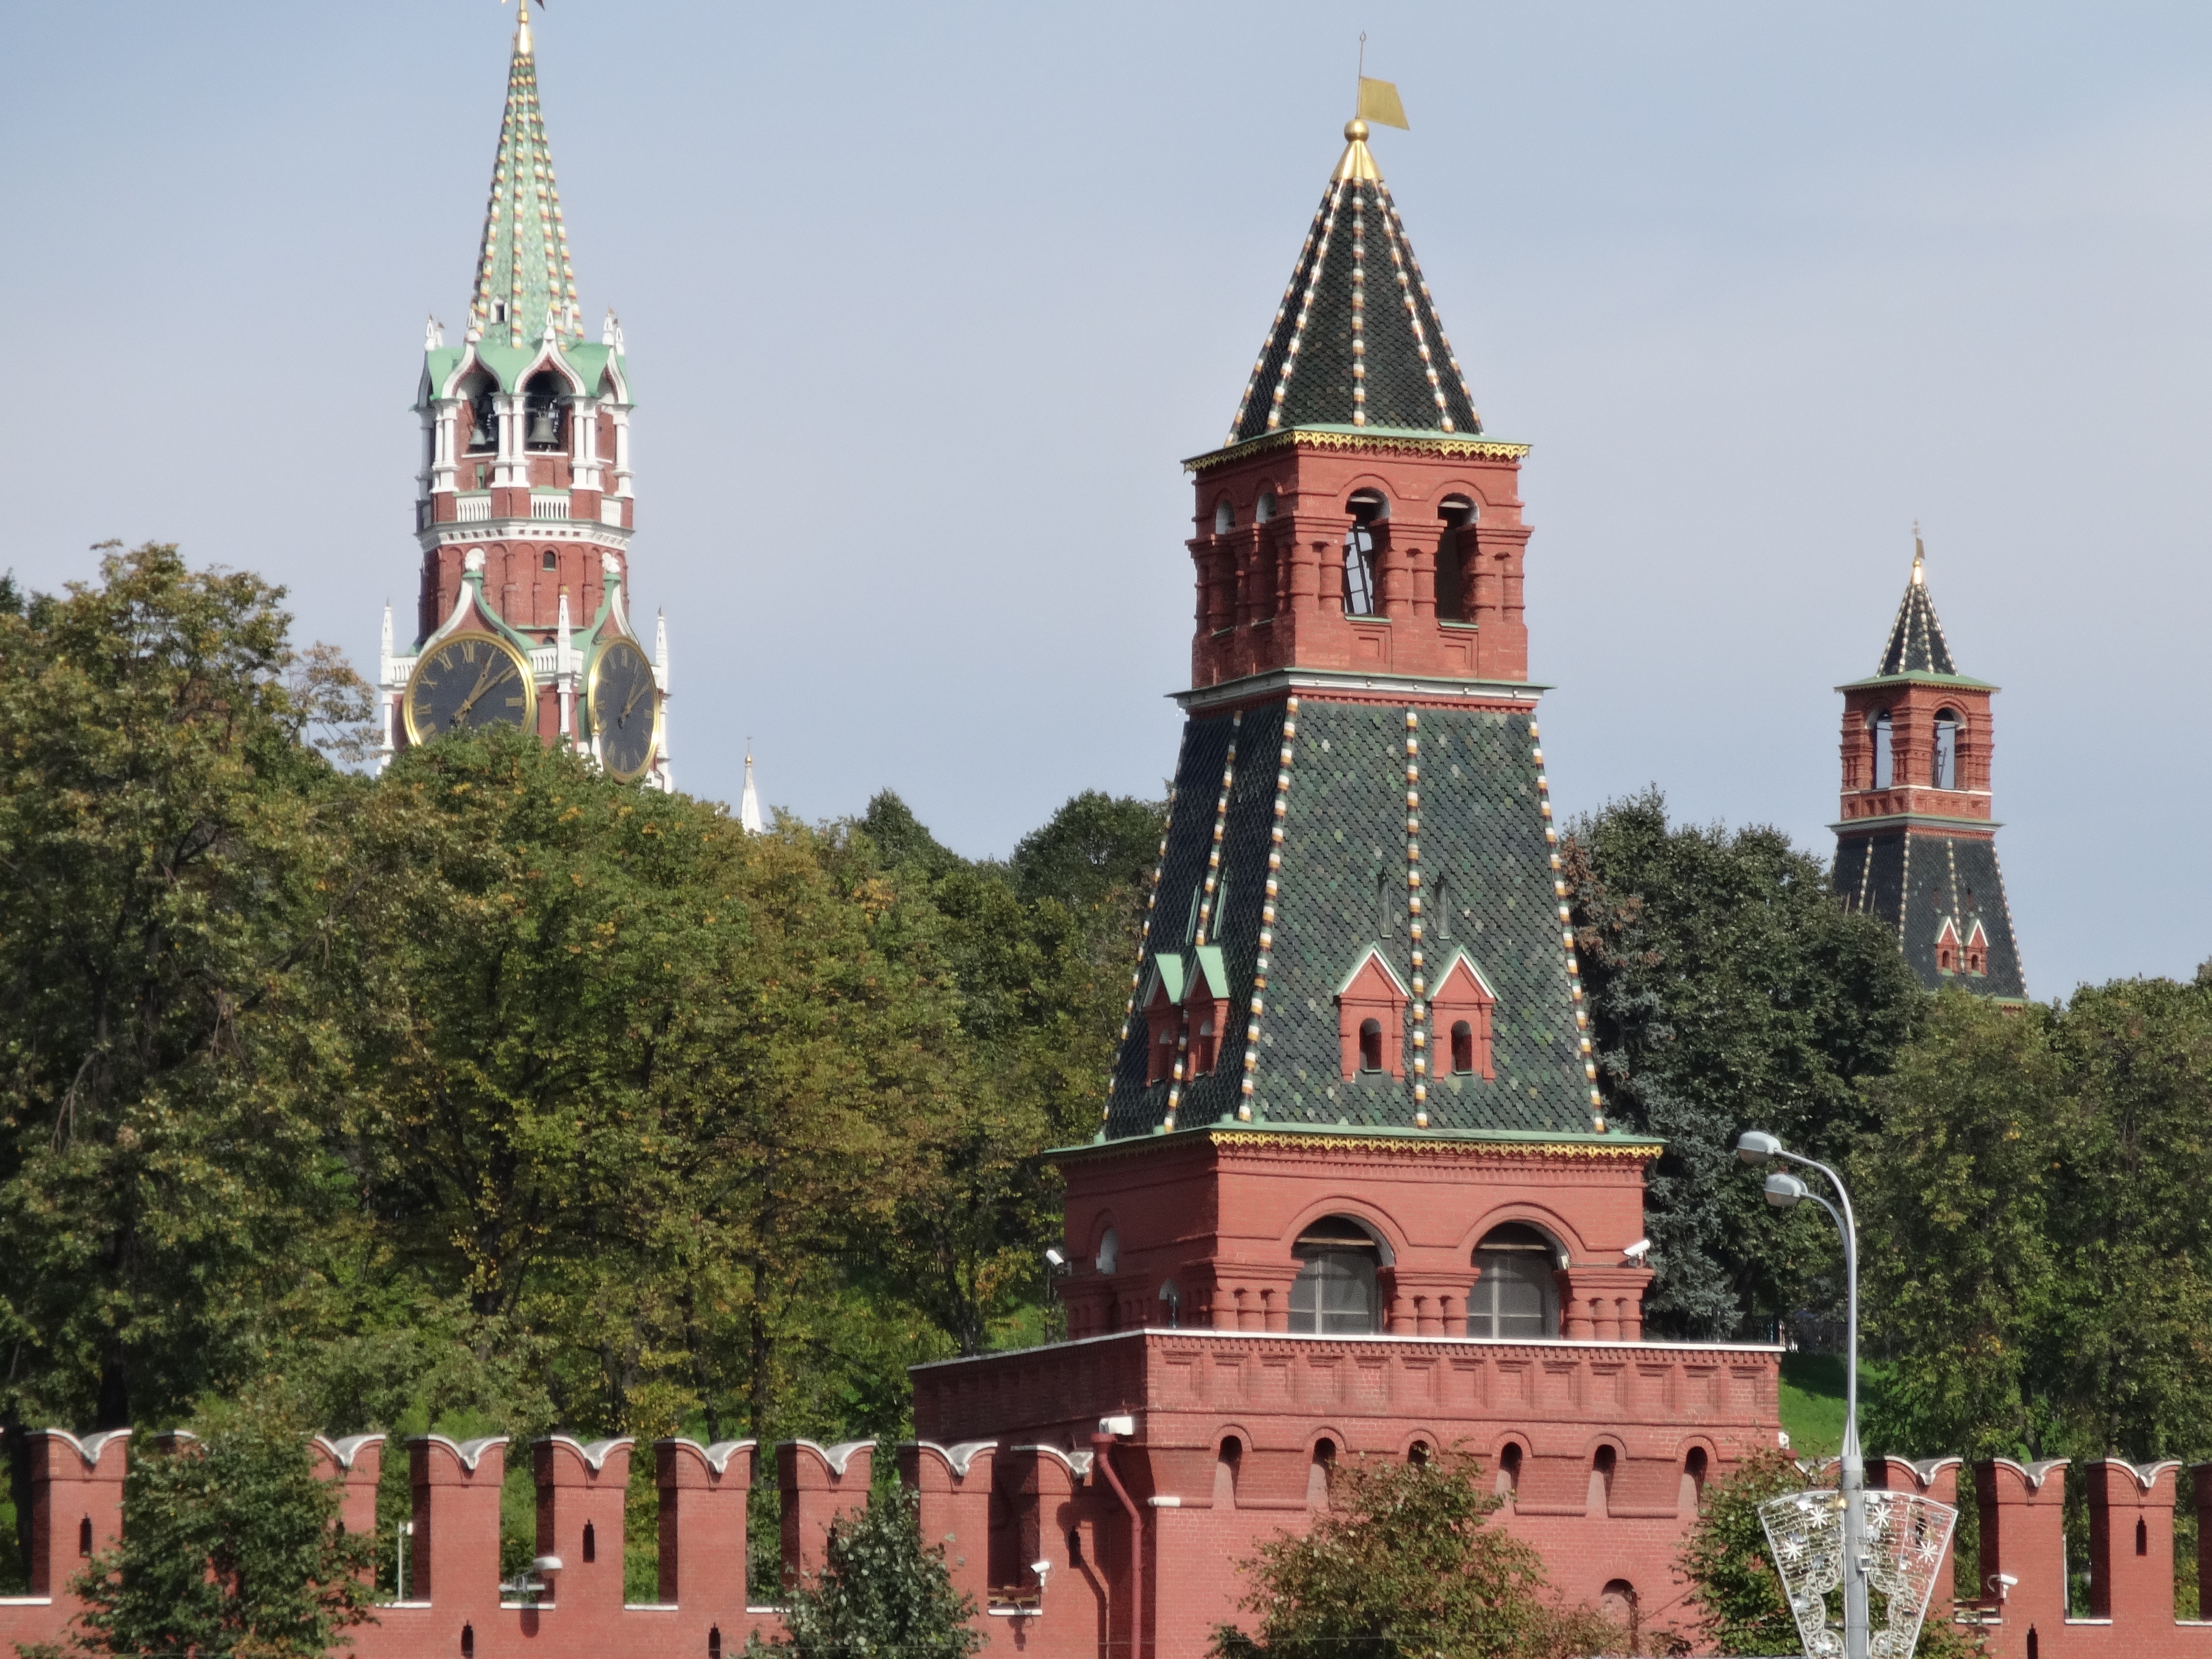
(466, 682)
(625, 709)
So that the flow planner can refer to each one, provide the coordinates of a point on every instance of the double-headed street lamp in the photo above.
(1785, 1191)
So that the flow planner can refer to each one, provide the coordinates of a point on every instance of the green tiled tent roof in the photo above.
(523, 264)
(1342, 890)
(1356, 302)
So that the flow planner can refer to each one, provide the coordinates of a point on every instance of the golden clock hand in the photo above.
(637, 692)
(483, 684)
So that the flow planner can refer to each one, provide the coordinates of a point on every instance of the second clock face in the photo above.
(625, 709)
(467, 681)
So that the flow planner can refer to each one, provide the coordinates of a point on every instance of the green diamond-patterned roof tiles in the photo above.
(1342, 890)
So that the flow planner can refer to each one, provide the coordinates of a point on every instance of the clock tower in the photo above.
(524, 508)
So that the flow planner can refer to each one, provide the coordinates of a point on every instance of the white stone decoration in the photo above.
(1905, 1537)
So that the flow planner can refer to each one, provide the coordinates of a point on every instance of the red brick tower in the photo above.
(525, 508)
(1916, 846)
(1353, 1191)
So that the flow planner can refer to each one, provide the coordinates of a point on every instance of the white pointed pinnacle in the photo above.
(608, 332)
(433, 334)
(660, 648)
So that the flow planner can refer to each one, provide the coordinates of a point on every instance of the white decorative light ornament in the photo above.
(1905, 1538)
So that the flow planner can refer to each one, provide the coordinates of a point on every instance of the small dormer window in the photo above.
(499, 310)
(1371, 1045)
(1977, 952)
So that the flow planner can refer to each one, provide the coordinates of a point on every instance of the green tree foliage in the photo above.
(2040, 1260)
(1039, 951)
(881, 1592)
(171, 873)
(491, 1093)
(1728, 991)
(230, 1550)
(1733, 1587)
(1404, 1566)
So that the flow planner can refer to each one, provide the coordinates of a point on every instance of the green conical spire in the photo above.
(523, 271)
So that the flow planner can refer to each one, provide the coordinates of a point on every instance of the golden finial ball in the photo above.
(1355, 130)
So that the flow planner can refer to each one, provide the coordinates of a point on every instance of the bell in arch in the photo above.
(544, 428)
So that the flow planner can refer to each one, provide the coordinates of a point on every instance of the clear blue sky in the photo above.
(925, 307)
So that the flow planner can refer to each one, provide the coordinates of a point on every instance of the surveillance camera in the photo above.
(545, 1566)
(1054, 1260)
(1042, 1569)
(1639, 1250)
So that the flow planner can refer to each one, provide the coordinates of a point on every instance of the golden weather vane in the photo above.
(1376, 101)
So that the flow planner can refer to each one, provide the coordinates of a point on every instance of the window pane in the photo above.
(1518, 1286)
(1334, 1294)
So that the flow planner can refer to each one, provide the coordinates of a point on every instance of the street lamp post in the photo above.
(1785, 1191)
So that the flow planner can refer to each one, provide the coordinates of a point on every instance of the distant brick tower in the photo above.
(1916, 846)
(1353, 1191)
(523, 507)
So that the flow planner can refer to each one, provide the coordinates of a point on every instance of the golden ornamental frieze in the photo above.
(1485, 449)
(1506, 1151)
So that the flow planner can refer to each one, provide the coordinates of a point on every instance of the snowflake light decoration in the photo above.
(1905, 1538)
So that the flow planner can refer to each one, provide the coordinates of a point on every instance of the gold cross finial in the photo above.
(522, 25)
(1919, 553)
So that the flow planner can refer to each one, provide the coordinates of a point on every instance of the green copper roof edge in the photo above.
(1321, 680)
(1933, 820)
(1961, 681)
(1439, 1137)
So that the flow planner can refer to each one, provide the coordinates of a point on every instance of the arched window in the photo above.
(1226, 1465)
(1599, 1500)
(1204, 1047)
(1361, 595)
(1109, 1251)
(591, 1542)
(1324, 1457)
(1462, 1046)
(1693, 1481)
(1515, 1297)
(1508, 1469)
(1171, 1300)
(84, 1536)
(1334, 1292)
(483, 413)
(1371, 1045)
(1943, 773)
(1225, 517)
(1884, 763)
(544, 419)
(1417, 1452)
(1455, 560)
(1264, 509)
